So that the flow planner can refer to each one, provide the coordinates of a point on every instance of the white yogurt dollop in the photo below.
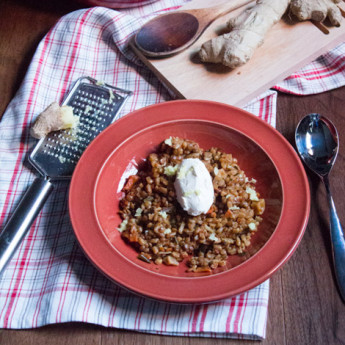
(193, 186)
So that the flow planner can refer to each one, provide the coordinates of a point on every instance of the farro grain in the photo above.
(162, 232)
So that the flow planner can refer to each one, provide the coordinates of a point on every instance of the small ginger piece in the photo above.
(53, 118)
(248, 31)
(170, 261)
(258, 206)
(317, 10)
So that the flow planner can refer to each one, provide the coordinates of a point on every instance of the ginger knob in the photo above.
(317, 10)
(248, 31)
(53, 118)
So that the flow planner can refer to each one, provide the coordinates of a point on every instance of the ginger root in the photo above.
(248, 30)
(317, 10)
(53, 118)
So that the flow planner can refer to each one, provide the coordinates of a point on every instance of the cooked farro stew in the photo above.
(155, 224)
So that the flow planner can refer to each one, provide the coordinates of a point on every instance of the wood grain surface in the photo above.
(304, 307)
(186, 76)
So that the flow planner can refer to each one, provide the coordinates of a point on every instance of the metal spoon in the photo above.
(173, 32)
(317, 143)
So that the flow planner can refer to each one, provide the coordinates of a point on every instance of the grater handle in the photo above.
(22, 219)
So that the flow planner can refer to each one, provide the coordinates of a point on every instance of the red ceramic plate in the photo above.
(262, 153)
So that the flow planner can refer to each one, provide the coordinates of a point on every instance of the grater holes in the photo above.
(96, 105)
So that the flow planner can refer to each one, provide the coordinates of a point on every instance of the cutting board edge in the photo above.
(166, 83)
(244, 100)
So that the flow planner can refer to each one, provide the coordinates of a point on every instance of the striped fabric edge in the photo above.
(325, 73)
(223, 319)
(72, 299)
(91, 299)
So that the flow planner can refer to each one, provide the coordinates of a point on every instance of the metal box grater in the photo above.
(97, 105)
(55, 156)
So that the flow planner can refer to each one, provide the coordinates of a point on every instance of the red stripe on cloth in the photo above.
(167, 9)
(331, 74)
(135, 93)
(95, 52)
(189, 320)
(267, 109)
(69, 67)
(113, 309)
(245, 303)
(231, 311)
(203, 317)
(167, 318)
(195, 318)
(35, 318)
(64, 87)
(26, 260)
(261, 107)
(314, 74)
(238, 313)
(14, 176)
(65, 287)
(283, 89)
(272, 115)
(263, 114)
(138, 314)
(43, 289)
(15, 290)
(88, 298)
(172, 8)
(322, 70)
(163, 325)
(31, 103)
(117, 65)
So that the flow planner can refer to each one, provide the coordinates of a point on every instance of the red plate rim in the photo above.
(269, 259)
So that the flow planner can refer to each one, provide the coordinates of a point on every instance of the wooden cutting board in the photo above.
(288, 46)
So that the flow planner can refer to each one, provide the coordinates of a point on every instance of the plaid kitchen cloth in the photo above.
(49, 280)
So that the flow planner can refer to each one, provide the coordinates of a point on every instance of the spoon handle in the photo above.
(338, 241)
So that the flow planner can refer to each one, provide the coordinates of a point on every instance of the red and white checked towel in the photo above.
(49, 280)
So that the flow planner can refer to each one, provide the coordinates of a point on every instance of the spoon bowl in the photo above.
(317, 143)
(170, 33)
(162, 35)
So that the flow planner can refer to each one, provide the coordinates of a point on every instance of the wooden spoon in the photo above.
(173, 32)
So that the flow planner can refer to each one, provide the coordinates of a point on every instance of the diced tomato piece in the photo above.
(134, 237)
(210, 210)
(228, 214)
(130, 182)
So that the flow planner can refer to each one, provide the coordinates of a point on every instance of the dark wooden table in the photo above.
(304, 308)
